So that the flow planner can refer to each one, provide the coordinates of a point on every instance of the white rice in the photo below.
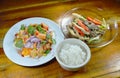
(72, 55)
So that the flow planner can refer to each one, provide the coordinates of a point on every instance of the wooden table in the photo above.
(104, 63)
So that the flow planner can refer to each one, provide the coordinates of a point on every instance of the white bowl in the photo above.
(79, 43)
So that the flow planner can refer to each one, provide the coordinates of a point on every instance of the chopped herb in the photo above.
(31, 30)
(47, 51)
(22, 27)
(40, 29)
(19, 43)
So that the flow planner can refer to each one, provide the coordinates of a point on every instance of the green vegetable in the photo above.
(53, 41)
(94, 40)
(31, 30)
(19, 43)
(40, 29)
(22, 27)
(47, 51)
(43, 42)
(79, 16)
(48, 36)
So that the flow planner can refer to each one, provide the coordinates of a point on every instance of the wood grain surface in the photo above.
(105, 61)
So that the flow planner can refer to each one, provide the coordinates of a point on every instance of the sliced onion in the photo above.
(28, 45)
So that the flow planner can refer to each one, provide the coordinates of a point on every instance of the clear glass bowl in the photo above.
(108, 36)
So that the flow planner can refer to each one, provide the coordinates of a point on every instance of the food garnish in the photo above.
(34, 40)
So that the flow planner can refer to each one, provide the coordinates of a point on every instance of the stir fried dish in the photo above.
(34, 40)
(88, 29)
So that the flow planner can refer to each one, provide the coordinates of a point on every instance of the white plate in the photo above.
(12, 53)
